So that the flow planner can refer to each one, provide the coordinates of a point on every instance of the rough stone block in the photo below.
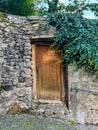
(15, 108)
(20, 85)
(20, 92)
(1, 53)
(28, 71)
(6, 94)
(28, 84)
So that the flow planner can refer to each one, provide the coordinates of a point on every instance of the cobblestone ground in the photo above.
(27, 122)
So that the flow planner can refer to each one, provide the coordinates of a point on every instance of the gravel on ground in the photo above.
(29, 122)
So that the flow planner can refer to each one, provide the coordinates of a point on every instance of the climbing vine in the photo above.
(77, 37)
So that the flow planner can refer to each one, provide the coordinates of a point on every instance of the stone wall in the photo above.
(83, 98)
(16, 57)
(16, 65)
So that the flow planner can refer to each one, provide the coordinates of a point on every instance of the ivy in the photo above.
(77, 37)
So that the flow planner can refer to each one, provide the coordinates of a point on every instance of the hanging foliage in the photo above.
(77, 37)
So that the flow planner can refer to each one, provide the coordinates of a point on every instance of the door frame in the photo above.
(64, 93)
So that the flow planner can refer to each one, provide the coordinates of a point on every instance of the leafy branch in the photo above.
(77, 37)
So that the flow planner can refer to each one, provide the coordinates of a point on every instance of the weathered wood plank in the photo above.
(49, 73)
(34, 71)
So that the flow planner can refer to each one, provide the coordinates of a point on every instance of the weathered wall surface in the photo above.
(83, 98)
(16, 57)
(16, 65)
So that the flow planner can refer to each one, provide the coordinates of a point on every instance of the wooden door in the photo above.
(48, 73)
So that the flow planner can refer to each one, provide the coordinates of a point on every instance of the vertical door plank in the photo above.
(34, 71)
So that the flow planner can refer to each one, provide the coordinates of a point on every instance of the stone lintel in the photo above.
(43, 38)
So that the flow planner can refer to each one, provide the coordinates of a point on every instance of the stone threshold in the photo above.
(48, 101)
